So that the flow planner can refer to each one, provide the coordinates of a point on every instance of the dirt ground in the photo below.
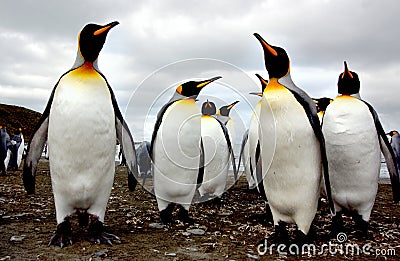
(231, 233)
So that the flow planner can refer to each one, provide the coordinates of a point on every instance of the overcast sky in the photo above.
(159, 44)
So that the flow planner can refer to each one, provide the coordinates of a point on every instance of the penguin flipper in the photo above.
(228, 141)
(125, 138)
(244, 141)
(311, 111)
(35, 149)
(258, 171)
(36, 145)
(388, 153)
(200, 175)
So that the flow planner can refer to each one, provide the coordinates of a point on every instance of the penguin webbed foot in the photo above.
(337, 225)
(183, 216)
(362, 227)
(63, 235)
(166, 215)
(98, 236)
(281, 235)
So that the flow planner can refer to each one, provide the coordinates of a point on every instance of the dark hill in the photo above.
(14, 117)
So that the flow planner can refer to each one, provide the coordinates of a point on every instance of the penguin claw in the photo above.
(60, 240)
(104, 238)
(98, 236)
(63, 235)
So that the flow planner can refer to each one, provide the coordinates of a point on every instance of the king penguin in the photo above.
(217, 152)
(395, 143)
(250, 140)
(176, 151)
(223, 116)
(82, 109)
(354, 140)
(4, 145)
(291, 156)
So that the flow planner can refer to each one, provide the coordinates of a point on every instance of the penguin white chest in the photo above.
(81, 138)
(176, 153)
(353, 153)
(216, 157)
(291, 161)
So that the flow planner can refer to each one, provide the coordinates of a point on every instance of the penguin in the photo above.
(4, 145)
(16, 150)
(354, 141)
(81, 179)
(321, 104)
(144, 161)
(176, 151)
(223, 116)
(395, 143)
(252, 138)
(217, 149)
(292, 148)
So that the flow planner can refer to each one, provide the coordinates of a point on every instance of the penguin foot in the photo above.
(337, 225)
(63, 235)
(281, 235)
(98, 236)
(183, 216)
(362, 227)
(83, 219)
(166, 215)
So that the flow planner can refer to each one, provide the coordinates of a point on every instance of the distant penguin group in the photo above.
(293, 148)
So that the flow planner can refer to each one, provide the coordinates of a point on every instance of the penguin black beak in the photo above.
(264, 82)
(256, 93)
(346, 71)
(105, 28)
(205, 82)
(265, 45)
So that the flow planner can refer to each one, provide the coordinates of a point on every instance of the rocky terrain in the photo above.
(230, 233)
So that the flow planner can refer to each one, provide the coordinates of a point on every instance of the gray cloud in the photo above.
(38, 41)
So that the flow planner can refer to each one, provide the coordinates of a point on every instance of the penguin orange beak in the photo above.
(346, 71)
(265, 45)
(105, 28)
(204, 83)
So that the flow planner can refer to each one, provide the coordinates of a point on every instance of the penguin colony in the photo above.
(292, 149)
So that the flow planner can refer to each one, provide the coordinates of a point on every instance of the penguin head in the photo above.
(193, 88)
(263, 82)
(348, 82)
(208, 108)
(322, 103)
(91, 40)
(392, 133)
(276, 59)
(225, 110)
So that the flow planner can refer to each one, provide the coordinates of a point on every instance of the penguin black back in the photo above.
(92, 39)
(275, 58)
(348, 82)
